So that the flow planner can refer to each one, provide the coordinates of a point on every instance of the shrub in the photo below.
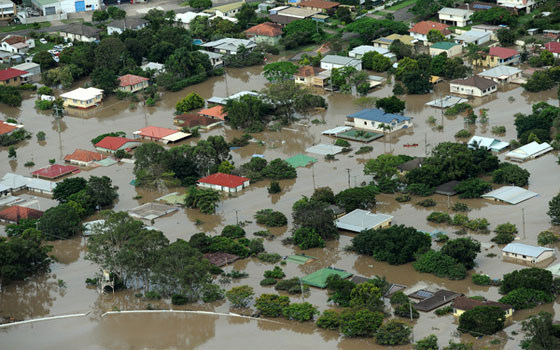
(329, 320)
(271, 218)
(236, 274)
(275, 273)
(444, 311)
(439, 217)
(212, 293)
(458, 206)
(479, 225)
(460, 220)
(546, 238)
(342, 143)
(403, 198)
(405, 310)
(178, 299)
(420, 189)
(268, 282)
(364, 149)
(428, 202)
(29, 163)
(301, 312)
(361, 323)
(292, 286)
(271, 305)
(481, 280)
(43, 105)
(461, 134)
(41, 136)
(151, 295)
(393, 332)
(269, 257)
(233, 231)
(399, 298)
(44, 90)
(499, 130)
(274, 187)
(440, 265)
(526, 298)
(306, 238)
(240, 296)
(482, 320)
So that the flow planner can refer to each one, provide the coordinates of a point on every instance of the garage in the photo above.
(50, 10)
(80, 6)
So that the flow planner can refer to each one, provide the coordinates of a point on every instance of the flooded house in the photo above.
(503, 74)
(377, 120)
(229, 46)
(128, 23)
(473, 86)
(498, 56)
(524, 253)
(529, 151)
(359, 220)
(12, 77)
(16, 213)
(224, 182)
(163, 135)
(112, 144)
(8, 128)
(55, 171)
(216, 112)
(82, 98)
(331, 62)
(132, 83)
(312, 76)
(510, 194)
(489, 143)
(462, 304)
(84, 157)
(421, 29)
(267, 32)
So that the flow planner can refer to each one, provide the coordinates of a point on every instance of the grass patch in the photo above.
(41, 47)
(13, 28)
(73, 20)
(401, 5)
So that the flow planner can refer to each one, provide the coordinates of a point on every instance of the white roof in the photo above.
(179, 135)
(530, 150)
(230, 44)
(153, 65)
(82, 94)
(90, 225)
(297, 12)
(511, 194)
(211, 54)
(362, 49)
(489, 143)
(26, 66)
(454, 12)
(446, 101)
(187, 17)
(337, 130)
(500, 72)
(15, 181)
(359, 220)
(472, 36)
(525, 249)
(223, 100)
(555, 269)
(324, 149)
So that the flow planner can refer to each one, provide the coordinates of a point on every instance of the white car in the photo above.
(69, 45)
(43, 41)
(56, 59)
(58, 47)
(52, 52)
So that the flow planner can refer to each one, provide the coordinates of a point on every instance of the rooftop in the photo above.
(82, 155)
(448, 188)
(230, 44)
(443, 45)
(525, 249)
(128, 23)
(192, 120)
(221, 259)
(529, 150)
(282, 19)
(553, 46)
(301, 160)
(362, 49)
(215, 112)
(405, 39)
(454, 11)
(424, 27)
(6, 128)
(500, 72)
(472, 36)
(82, 94)
(411, 164)
(7, 74)
(298, 12)
(489, 143)
(130, 79)
(265, 29)
(155, 132)
(320, 4)
(437, 299)
(475, 81)
(55, 170)
(113, 142)
(502, 52)
(227, 7)
(308, 71)
(378, 115)
(465, 304)
(81, 29)
(511, 194)
(360, 220)
(14, 39)
(17, 182)
(16, 213)
(319, 278)
(341, 60)
(187, 17)
(224, 180)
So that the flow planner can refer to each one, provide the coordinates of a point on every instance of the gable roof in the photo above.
(130, 79)
(128, 23)
(224, 180)
(472, 36)
(216, 112)
(553, 46)
(82, 155)
(500, 71)
(265, 29)
(81, 29)
(502, 52)
(155, 132)
(466, 304)
(403, 38)
(443, 45)
(282, 19)
(342, 60)
(530, 150)
(230, 44)
(411, 164)
(308, 71)
(113, 142)
(359, 220)
(454, 11)
(511, 194)
(82, 94)
(475, 81)
(192, 120)
(10, 73)
(363, 49)
(14, 39)
(16, 213)
(489, 143)
(55, 170)
(320, 4)
(6, 128)
(525, 249)
(424, 27)
(378, 115)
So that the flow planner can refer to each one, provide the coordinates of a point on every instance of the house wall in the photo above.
(506, 80)
(454, 51)
(134, 88)
(471, 90)
(459, 21)
(17, 81)
(7, 10)
(518, 4)
(77, 37)
(77, 162)
(69, 6)
(68, 102)
(376, 126)
(9, 48)
(271, 40)
(459, 312)
(331, 66)
(529, 259)
(493, 61)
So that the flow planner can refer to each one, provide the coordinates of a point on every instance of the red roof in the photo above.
(319, 4)
(214, 112)
(192, 120)
(553, 46)
(14, 39)
(130, 79)
(424, 27)
(502, 52)
(10, 73)
(113, 142)
(155, 132)
(82, 155)
(6, 128)
(224, 180)
(308, 71)
(265, 29)
(16, 213)
(55, 170)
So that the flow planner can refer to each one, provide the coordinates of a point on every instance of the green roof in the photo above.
(443, 45)
(300, 160)
(300, 259)
(173, 198)
(319, 278)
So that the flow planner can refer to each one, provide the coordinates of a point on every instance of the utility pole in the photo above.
(225, 76)
(313, 174)
(348, 170)
(236, 218)
(425, 144)
(523, 216)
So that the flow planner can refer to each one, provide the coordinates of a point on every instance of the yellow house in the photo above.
(82, 98)
(388, 40)
(312, 76)
(132, 83)
(463, 304)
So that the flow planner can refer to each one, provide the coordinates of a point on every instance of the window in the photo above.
(365, 123)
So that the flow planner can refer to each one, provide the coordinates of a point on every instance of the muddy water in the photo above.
(42, 296)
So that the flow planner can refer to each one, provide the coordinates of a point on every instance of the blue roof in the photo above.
(378, 115)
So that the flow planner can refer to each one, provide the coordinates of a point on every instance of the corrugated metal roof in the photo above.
(359, 220)
(341, 60)
(500, 71)
(489, 143)
(511, 194)
(378, 115)
(530, 150)
(525, 249)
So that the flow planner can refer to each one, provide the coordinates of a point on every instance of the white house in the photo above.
(527, 253)
(526, 5)
(229, 46)
(80, 32)
(82, 98)
(502, 74)
(375, 119)
(529, 151)
(216, 59)
(16, 44)
(359, 220)
(421, 30)
(228, 10)
(131, 23)
(455, 17)
(475, 37)
(360, 51)
(7, 9)
(473, 86)
(158, 68)
(329, 62)
(52, 7)
(185, 19)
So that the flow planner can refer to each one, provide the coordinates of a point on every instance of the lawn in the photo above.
(13, 28)
(41, 47)
(401, 5)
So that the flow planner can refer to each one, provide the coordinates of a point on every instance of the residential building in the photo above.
(55, 171)
(412, 164)
(8, 128)
(551, 33)
(475, 37)
(132, 83)
(82, 98)
(158, 68)
(196, 121)
(502, 74)
(267, 32)
(498, 56)
(229, 10)
(216, 112)
(462, 304)
(331, 62)
(491, 144)
(524, 253)
(8, 10)
(386, 42)
(185, 19)
(312, 76)
(430, 300)
(33, 71)
(323, 6)
(421, 29)
(553, 47)
(298, 12)
(359, 220)
(16, 44)
(282, 20)
(455, 16)
(216, 59)
(51, 7)
(14, 183)
(163, 135)
(80, 32)
(493, 30)
(112, 144)
(510, 194)
(12, 77)
(449, 48)
(216, 100)
(224, 182)
(360, 51)
(529, 151)
(128, 23)
(84, 157)
(473, 86)
(229, 46)
(377, 120)
(15, 213)
(517, 5)
(448, 188)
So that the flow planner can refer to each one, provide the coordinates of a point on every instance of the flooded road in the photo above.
(42, 296)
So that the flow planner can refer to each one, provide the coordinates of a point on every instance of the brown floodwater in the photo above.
(42, 296)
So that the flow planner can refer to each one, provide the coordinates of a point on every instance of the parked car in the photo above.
(56, 59)
(43, 41)
(58, 47)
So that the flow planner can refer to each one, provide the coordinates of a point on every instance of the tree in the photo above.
(150, 163)
(12, 152)
(440, 265)
(285, 96)
(240, 296)
(407, 64)
(23, 256)
(356, 198)
(99, 16)
(417, 82)
(535, 278)
(366, 295)
(108, 54)
(101, 191)
(428, 8)
(233, 231)
(435, 35)
(58, 76)
(370, 29)
(340, 290)
(115, 12)
(189, 102)
(306, 238)
(526, 298)
(279, 169)
(472, 188)
(204, 199)
(271, 218)
(393, 332)
(539, 81)
(323, 194)
(105, 79)
(45, 60)
(343, 14)
(271, 305)
(482, 320)
(379, 62)
(316, 217)
(329, 320)
(540, 332)
(300, 312)
(547, 238)
(279, 71)
(509, 173)
(506, 36)
(60, 222)
(464, 250)
(400, 49)
(247, 113)
(361, 323)
(428, 343)
(383, 169)
(494, 15)
(554, 210)
(391, 104)
(200, 4)
(505, 233)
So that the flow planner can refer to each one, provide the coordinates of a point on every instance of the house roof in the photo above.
(224, 180)
(472, 36)
(14, 39)
(359, 220)
(16, 213)
(215, 112)
(113, 142)
(320, 4)
(553, 46)
(525, 249)
(6, 127)
(130, 79)
(443, 45)
(81, 29)
(82, 94)
(308, 71)
(192, 120)
(500, 72)
(411, 164)
(475, 81)
(502, 52)
(298, 12)
(319, 278)
(10, 73)
(128, 23)
(466, 304)
(82, 155)
(448, 188)
(16, 182)
(341, 60)
(454, 11)
(378, 115)
(155, 132)
(363, 49)
(435, 300)
(489, 143)
(227, 7)
(55, 170)
(220, 259)
(530, 150)
(405, 39)
(230, 44)
(265, 29)
(282, 19)
(424, 27)
(511, 194)
(187, 17)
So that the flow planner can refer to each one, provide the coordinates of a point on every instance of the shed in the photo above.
(301, 160)
(489, 143)
(360, 220)
(319, 278)
(448, 188)
(446, 101)
(300, 259)
(324, 150)
(510, 194)
(151, 211)
(527, 253)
